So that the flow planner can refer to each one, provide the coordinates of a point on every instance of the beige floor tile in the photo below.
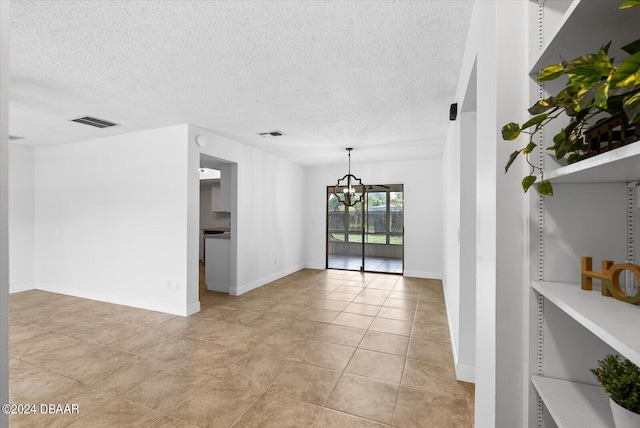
(118, 413)
(40, 385)
(92, 366)
(19, 370)
(270, 322)
(393, 302)
(86, 399)
(396, 313)
(218, 404)
(376, 365)
(130, 373)
(362, 309)
(258, 370)
(385, 342)
(353, 320)
(431, 351)
(333, 419)
(212, 312)
(181, 350)
(175, 326)
(150, 318)
(139, 342)
(52, 350)
(433, 378)
(19, 332)
(431, 317)
(167, 389)
(306, 383)
(318, 315)
(333, 305)
(349, 289)
(404, 295)
(328, 355)
(385, 325)
(370, 300)
(271, 411)
(438, 333)
(424, 410)
(241, 337)
(286, 309)
(284, 346)
(342, 335)
(169, 422)
(304, 328)
(240, 316)
(344, 297)
(364, 397)
(219, 357)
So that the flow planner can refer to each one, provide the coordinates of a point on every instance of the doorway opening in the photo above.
(368, 236)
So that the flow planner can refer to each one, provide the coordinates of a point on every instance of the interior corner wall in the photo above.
(4, 211)
(21, 217)
(423, 200)
(111, 219)
(498, 42)
(267, 237)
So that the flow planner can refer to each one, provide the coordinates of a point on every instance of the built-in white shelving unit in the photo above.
(573, 404)
(561, 310)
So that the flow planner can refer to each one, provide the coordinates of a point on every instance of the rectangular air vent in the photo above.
(94, 121)
(271, 134)
(15, 137)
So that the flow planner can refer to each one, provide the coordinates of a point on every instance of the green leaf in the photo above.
(545, 188)
(551, 72)
(573, 158)
(633, 47)
(535, 120)
(629, 3)
(627, 73)
(513, 157)
(528, 181)
(632, 108)
(529, 148)
(587, 75)
(510, 131)
(543, 105)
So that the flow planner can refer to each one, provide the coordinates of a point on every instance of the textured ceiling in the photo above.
(378, 76)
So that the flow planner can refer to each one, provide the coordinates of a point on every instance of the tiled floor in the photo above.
(372, 264)
(317, 348)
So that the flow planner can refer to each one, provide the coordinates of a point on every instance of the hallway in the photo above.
(316, 348)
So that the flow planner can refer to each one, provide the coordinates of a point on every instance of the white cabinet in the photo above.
(218, 262)
(570, 329)
(221, 192)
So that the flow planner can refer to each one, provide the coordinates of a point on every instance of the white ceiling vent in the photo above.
(271, 134)
(94, 121)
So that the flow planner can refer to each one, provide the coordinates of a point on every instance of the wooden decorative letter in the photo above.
(610, 278)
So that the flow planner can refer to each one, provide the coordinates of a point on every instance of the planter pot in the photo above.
(622, 417)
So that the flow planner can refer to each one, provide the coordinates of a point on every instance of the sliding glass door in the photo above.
(370, 235)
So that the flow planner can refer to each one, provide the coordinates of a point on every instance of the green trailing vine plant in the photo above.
(621, 380)
(595, 86)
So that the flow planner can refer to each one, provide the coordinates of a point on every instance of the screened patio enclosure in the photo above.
(368, 236)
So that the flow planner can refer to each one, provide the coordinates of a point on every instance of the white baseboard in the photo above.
(236, 291)
(222, 288)
(317, 266)
(23, 286)
(421, 274)
(466, 372)
(152, 305)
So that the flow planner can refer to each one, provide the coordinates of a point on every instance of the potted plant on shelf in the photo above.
(621, 381)
(596, 88)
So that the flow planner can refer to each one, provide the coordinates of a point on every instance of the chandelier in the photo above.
(349, 189)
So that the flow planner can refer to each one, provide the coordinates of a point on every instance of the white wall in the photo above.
(4, 212)
(422, 210)
(266, 228)
(111, 219)
(21, 217)
(497, 40)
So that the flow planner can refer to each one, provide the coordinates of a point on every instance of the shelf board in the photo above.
(585, 27)
(574, 405)
(618, 165)
(611, 320)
